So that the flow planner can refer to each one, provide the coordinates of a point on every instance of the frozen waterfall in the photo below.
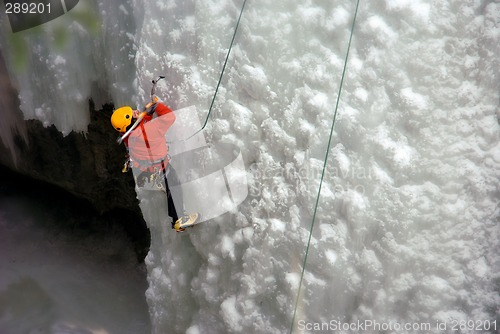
(407, 227)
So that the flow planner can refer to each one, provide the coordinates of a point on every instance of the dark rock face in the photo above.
(38, 160)
(75, 217)
(88, 166)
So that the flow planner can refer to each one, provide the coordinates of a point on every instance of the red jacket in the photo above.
(147, 144)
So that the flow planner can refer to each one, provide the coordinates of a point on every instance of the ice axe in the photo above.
(154, 99)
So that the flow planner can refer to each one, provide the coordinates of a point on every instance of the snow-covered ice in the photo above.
(407, 224)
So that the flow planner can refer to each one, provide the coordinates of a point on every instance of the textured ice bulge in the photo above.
(406, 229)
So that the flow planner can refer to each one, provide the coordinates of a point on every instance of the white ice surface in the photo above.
(407, 225)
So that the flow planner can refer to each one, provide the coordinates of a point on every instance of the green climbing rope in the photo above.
(324, 168)
(223, 69)
(221, 75)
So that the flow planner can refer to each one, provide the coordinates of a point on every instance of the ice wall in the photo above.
(186, 41)
(12, 121)
(407, 224)
(406, 230)
(419, 129)
(85, 54)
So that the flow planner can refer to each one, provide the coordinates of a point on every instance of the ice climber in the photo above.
(148, 150)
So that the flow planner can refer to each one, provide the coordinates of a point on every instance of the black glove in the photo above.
(150, 111)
